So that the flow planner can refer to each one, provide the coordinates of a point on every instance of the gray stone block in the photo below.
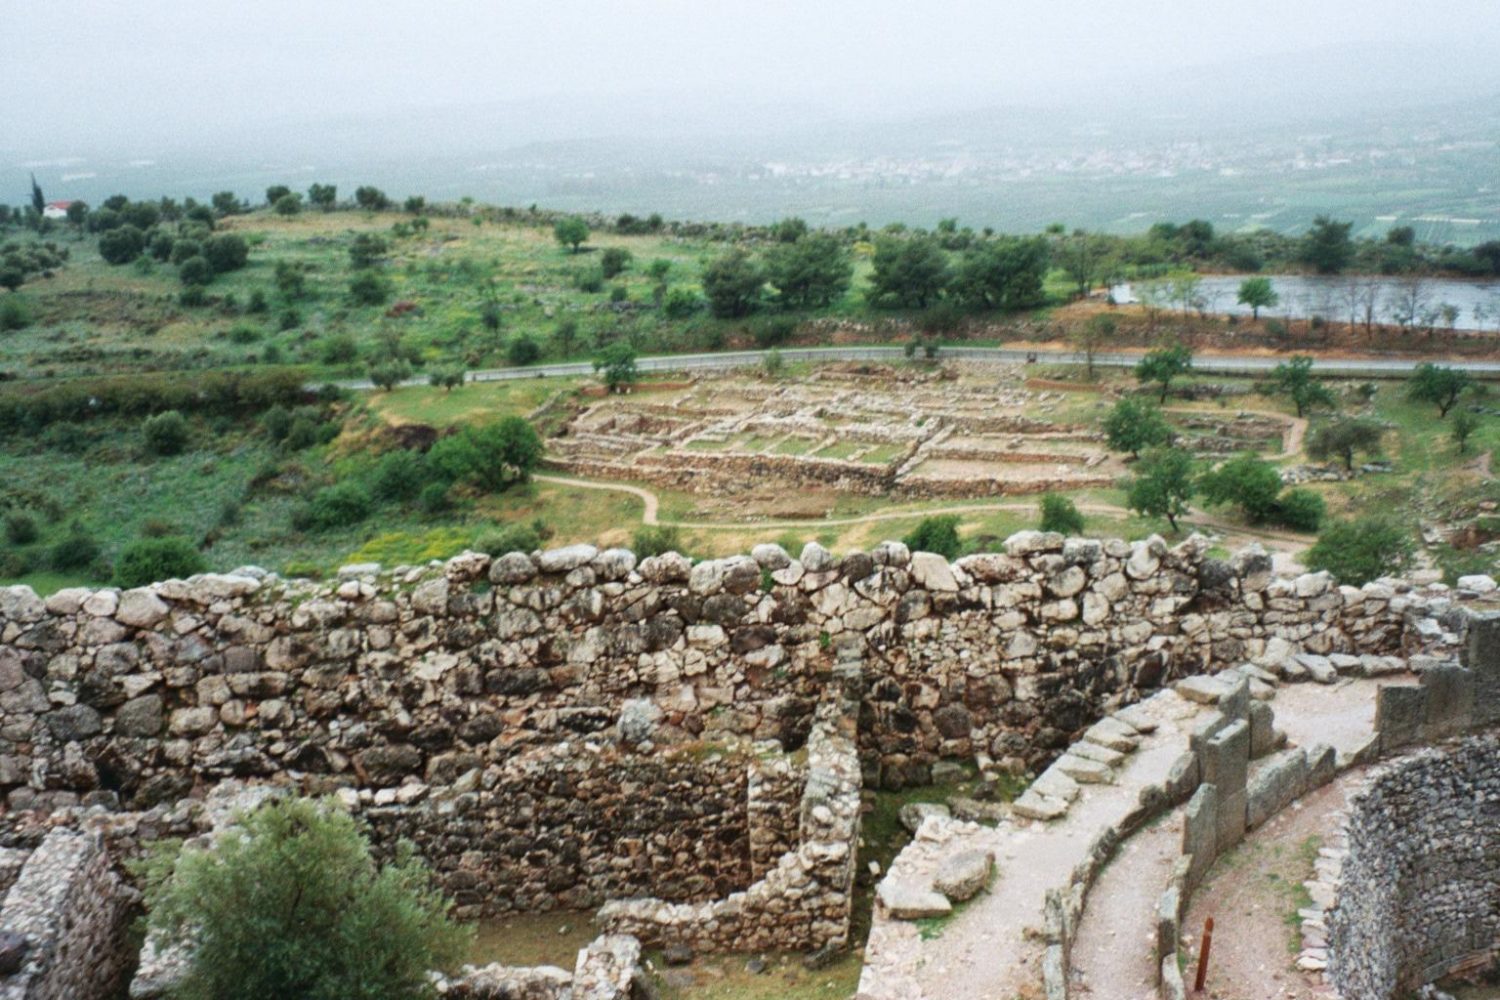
(1235, 703)
(1172, 986)
(1482, 657)
(1226, 758)
(1449, 706)
(1275, 784)
(1263, 736)
(1182, 778)
(1167, 928)
(1322, 765)
(1200, 834)
(1399, 712)
(1232, 811)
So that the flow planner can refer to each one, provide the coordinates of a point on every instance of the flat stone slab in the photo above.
(977, 812)
(1114, 735)
(1095, 752)
(1201, 688)
(1083, 771)
(1033, 806)
(1319, 668)
(1136, 717)
(962, 875)
(1055, 784)
(907, 902)
(1379, 666)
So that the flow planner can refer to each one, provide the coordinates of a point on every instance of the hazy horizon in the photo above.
(839, 111)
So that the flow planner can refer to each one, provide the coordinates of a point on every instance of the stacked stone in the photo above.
(65, 915)
(1418, 893)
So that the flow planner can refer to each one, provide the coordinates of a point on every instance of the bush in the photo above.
(166, 433)
(590, 279)
(522, 350)
(21, 529)
(619, 293)
(1356, 552)
(1060, 515)
(276, 422)
(293, 904)
(936, 534)
(1245, 481)
(389, 374)
(514, 538)
(491, 457)
(75, 552)
(681, 303)
(1299, 510)
(369, 289)
(122, 245)
(398, 477)
(614, 261)
(226, 252)
(302, 433)
(773, 331)
(656, 539)
(340, 349)
(337, 506)
(14, 313)
(435, 498)
(148, 560)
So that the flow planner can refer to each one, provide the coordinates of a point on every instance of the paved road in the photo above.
(1209, 363)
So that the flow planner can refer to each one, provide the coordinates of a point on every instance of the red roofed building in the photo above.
(56, 210)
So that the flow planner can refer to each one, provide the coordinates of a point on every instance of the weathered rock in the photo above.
(906, 902)
(962, 875)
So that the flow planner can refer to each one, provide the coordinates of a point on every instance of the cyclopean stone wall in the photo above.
(1417, 895)
(559, 728)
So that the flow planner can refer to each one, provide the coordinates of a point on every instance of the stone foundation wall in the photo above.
(486, 707)
(70, 909)
(1417, 895)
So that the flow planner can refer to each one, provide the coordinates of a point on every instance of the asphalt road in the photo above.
(1207, 363)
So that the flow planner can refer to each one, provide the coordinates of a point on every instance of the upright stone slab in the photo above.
(1482, 657)
(1200, 833)
(1399, 712)
(1276, 783)
(1226, 763)
(1448, 708)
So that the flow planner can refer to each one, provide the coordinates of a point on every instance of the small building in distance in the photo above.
(56, 210)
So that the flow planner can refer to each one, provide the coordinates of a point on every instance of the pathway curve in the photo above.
(990, 949)
(1282, 541)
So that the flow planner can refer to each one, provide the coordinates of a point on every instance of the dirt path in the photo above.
(1281, 541)
(1113, 956)
(1253, 894)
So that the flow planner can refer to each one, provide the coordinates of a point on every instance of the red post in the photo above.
(1208, 944)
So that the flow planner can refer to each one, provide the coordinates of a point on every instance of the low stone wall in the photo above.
(70, 909)
(607, 969)
(804, 901)
(1417, 895)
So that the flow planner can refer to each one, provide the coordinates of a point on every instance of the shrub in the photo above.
(389, 374)
(340, 349)
(1356, 552)
(681, 303)
(656, 539)
(936, 534)
(147, 560)
(293, 904)
(590, 279)
(1300, 510)
(369, 289)
(243, 333)
(226, 252)
(619, 293)
(302, 433)
(1061, 515)
(435, 498)
(614, 261)
(522, 350)
(1246, 481)
(514, 538)
(491, 457)
(195, 272)
(773, 331)
(1136, 424)
(338, 506)
(122, 245)
(14, 313)
(398, 477)
(21, 529)
(773, 362)
(166, 433)
(77, 551)
(276, 422)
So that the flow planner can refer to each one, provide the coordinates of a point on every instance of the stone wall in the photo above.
(1417, 895)
(488, 707)
(69, 909)
(805, 899)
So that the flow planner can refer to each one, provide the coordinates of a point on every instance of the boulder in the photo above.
(566, 559)
(141, 716)
(73, 723)
(140, 608)
(962, 875)
(932, 572)
(913, 813)
(770, 556)
(638, 719)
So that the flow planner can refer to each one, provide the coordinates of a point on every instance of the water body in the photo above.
(1408, 301)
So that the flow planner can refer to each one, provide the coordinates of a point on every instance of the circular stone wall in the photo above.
(1419, 891)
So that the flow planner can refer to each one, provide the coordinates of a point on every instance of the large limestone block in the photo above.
(962, 875)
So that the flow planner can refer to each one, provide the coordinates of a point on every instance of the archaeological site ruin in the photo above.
(683, 749)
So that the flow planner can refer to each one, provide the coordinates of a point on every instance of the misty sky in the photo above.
(102, 68)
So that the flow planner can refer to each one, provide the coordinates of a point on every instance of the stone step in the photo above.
(1201, 688)
(1055, 784)
(1033, 806)
(1084, 771)
(1114, 735)
(909, 902)
(1095, 752)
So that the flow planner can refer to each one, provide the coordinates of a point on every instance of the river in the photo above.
(1470, 305)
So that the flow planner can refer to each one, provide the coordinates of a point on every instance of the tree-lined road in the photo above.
(1213, 364)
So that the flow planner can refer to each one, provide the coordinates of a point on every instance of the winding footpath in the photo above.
(1284, 542)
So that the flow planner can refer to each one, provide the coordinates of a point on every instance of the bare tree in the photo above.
(1407, 304)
